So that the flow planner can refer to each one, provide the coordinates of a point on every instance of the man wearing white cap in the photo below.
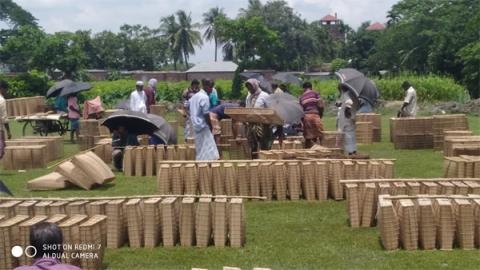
(138, 99)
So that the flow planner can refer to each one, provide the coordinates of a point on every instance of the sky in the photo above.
(99, 15)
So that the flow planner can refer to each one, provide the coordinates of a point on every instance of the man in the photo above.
(43, 237)
(138, 99)
(346, 119)
(74, 116)
(120, 139)
(313, 107)
(4, 126)
(409, 107)
(211, 91)
(205, 146)
(276, 89)
(217, 114)
(186, 96)
(150, 93)
(260, 136)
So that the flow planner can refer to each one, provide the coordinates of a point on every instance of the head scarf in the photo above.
(139, 83)
(152, 83)
(255, 84)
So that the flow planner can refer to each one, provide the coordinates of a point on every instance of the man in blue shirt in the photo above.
(120, 139)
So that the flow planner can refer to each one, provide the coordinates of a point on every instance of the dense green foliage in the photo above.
(429, 88)
(423, 36)
(33, 83)
(113, 92)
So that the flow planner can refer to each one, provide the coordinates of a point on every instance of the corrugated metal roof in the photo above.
(226, 66)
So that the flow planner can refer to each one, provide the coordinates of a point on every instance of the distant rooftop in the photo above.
(376, 26)
(226, 66)
(328, 18)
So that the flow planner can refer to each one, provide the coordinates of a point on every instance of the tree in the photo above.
(109, 51)
(19, 50)
(252, 41)
(169, 27)
(14, 15)
(186, 37)
(60, 51)
(210, 33)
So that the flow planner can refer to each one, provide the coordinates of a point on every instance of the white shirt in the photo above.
(199, 105)
(411, 99)
(344, 122)
(260, 102)
(138, 101)
(3, 113)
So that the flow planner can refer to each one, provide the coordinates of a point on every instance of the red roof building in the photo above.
(332, 23)
(376, 26)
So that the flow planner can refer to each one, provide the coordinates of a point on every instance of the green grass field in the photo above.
(281, 235)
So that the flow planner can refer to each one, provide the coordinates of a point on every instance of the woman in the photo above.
(313, 107)
(73, 116)
(259, 135)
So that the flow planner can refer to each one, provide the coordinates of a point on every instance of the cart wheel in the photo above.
(24, 129)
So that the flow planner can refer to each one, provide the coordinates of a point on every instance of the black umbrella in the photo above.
(358, 84)
(4, 189)
(57, 87)
(135, 122)
(286, 77)
(74, 87)
(286, 106)
(164, 130)
(264, 83)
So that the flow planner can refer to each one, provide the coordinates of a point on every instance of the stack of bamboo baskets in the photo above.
(143, 221)
(142, 160)
(376, 127)
(461, 145)
(426, 222)
(315, 152)
(53, 144)
(364, 133)
(274, 179)
(442, 123)
(89, 130)
(462, 166)
(362, 195)
(84, 170)
(412, 133)
(79, 231)
(332, 139)
(25, 106)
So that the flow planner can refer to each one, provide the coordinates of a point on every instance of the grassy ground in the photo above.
(282, 235)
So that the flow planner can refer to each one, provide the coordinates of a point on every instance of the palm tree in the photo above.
(186, 38)
(210, 33)
(169, 28)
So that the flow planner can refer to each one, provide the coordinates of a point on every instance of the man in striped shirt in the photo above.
(313, 107)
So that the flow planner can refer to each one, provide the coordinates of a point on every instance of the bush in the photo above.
(33, 83)
(429, 88)
(339, 63)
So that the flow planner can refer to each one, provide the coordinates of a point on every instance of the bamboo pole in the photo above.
(261, 160)
(130, 197)
(355, 181)
(426, 196)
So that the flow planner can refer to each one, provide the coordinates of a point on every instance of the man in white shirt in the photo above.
(260, 136)
(3, 117)
(205, 146)
(138, 99)
(409, 107)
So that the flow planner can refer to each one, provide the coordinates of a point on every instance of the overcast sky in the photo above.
(98, 15)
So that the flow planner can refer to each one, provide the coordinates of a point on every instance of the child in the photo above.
(73, 115)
